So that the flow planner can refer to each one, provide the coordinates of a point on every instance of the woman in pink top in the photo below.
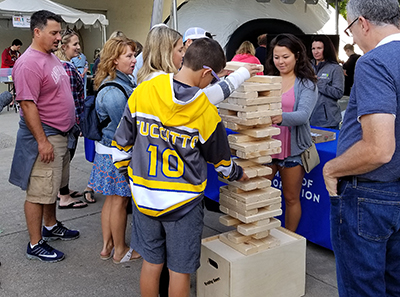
(289, 60)
(246, 53)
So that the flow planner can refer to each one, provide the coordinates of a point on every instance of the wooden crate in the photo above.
(276, 272)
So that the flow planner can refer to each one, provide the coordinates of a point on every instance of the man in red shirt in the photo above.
(11, 54)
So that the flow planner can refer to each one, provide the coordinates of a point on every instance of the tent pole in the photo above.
(104, 35)
(156, 15)
(174, 15)
(337, 16)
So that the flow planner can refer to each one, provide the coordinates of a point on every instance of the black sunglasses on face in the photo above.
(347, 30)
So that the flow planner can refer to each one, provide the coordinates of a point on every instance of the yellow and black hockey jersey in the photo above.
(168, 133)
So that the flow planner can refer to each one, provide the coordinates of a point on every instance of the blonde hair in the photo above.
(158, 52)
(246, 48)
(113, 48)
(117, 34)
(66, 36)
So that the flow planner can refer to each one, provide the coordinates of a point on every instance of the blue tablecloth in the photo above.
(314, 224)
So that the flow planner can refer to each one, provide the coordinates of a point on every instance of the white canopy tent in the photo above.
(10, 8)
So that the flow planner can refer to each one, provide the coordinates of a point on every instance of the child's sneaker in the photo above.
(59, 232)
(43, 252)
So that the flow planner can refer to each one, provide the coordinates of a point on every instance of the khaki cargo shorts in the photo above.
(46, 179)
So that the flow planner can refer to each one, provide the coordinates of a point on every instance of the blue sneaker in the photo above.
(43, 252)
(59, 232)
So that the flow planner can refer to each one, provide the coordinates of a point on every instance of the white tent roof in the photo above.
(69, 15)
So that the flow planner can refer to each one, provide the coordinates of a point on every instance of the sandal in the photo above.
(91, 194)
(127, 258)
(106, 257)
(75, 194)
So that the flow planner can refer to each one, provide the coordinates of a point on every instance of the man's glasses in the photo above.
(215, 78)
(347, 30)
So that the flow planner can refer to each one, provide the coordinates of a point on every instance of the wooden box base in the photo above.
(279, 271)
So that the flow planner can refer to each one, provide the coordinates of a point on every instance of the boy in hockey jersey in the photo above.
(168, 133)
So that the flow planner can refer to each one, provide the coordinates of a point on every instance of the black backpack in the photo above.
(89, 121)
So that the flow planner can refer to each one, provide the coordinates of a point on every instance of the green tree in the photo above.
(342, 7)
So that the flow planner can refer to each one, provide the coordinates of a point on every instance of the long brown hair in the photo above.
(113, 48)
(303, 69)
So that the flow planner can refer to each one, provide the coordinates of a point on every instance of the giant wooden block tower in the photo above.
(252, 205)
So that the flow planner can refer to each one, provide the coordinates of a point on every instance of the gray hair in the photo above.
(377, 12)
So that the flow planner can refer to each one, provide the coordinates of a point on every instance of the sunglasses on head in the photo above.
(67, 31)
(215, 78)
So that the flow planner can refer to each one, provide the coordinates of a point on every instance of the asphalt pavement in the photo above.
(82, 272)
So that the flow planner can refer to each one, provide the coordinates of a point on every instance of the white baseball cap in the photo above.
(194, 33)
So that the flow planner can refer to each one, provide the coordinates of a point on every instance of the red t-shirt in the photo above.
(40, 77)
(8, 58)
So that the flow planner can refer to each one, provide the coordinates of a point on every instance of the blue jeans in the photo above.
(365, 232)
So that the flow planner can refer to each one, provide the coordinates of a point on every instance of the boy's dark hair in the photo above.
(329, 49)
(16, 42)
(39, 19)
(205, 52)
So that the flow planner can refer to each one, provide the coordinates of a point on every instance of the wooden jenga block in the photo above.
(248, 114)
(250, 229)
(246, 95)
(233, 189)
(264, 243)
(235, 126)
(253, 114)
(250, 147)
(249, 165)
(261, 159)
(236, 237)
(252, 184)
(275, 206)
(238, 127)
(226, 202)
(244, 248)
(234, 65)
(268, 152)
(272, 93)
(262, 214)
(254, 101)
(246, 122)
(230, 106)
(273, 112)
(254, 146)
(236, 205)
(262, 132)
(245, 163)
(262, 222)
(228, 221)
(252, 246)
(239, 138)
(252, 196)
(265, 79)
(251, 86)
(260, 235)
(276, 105)
(250, 172)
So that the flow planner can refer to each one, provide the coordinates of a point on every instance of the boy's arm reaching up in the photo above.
(222, 90)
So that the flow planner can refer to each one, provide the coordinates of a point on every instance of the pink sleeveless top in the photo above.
(287, 106)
